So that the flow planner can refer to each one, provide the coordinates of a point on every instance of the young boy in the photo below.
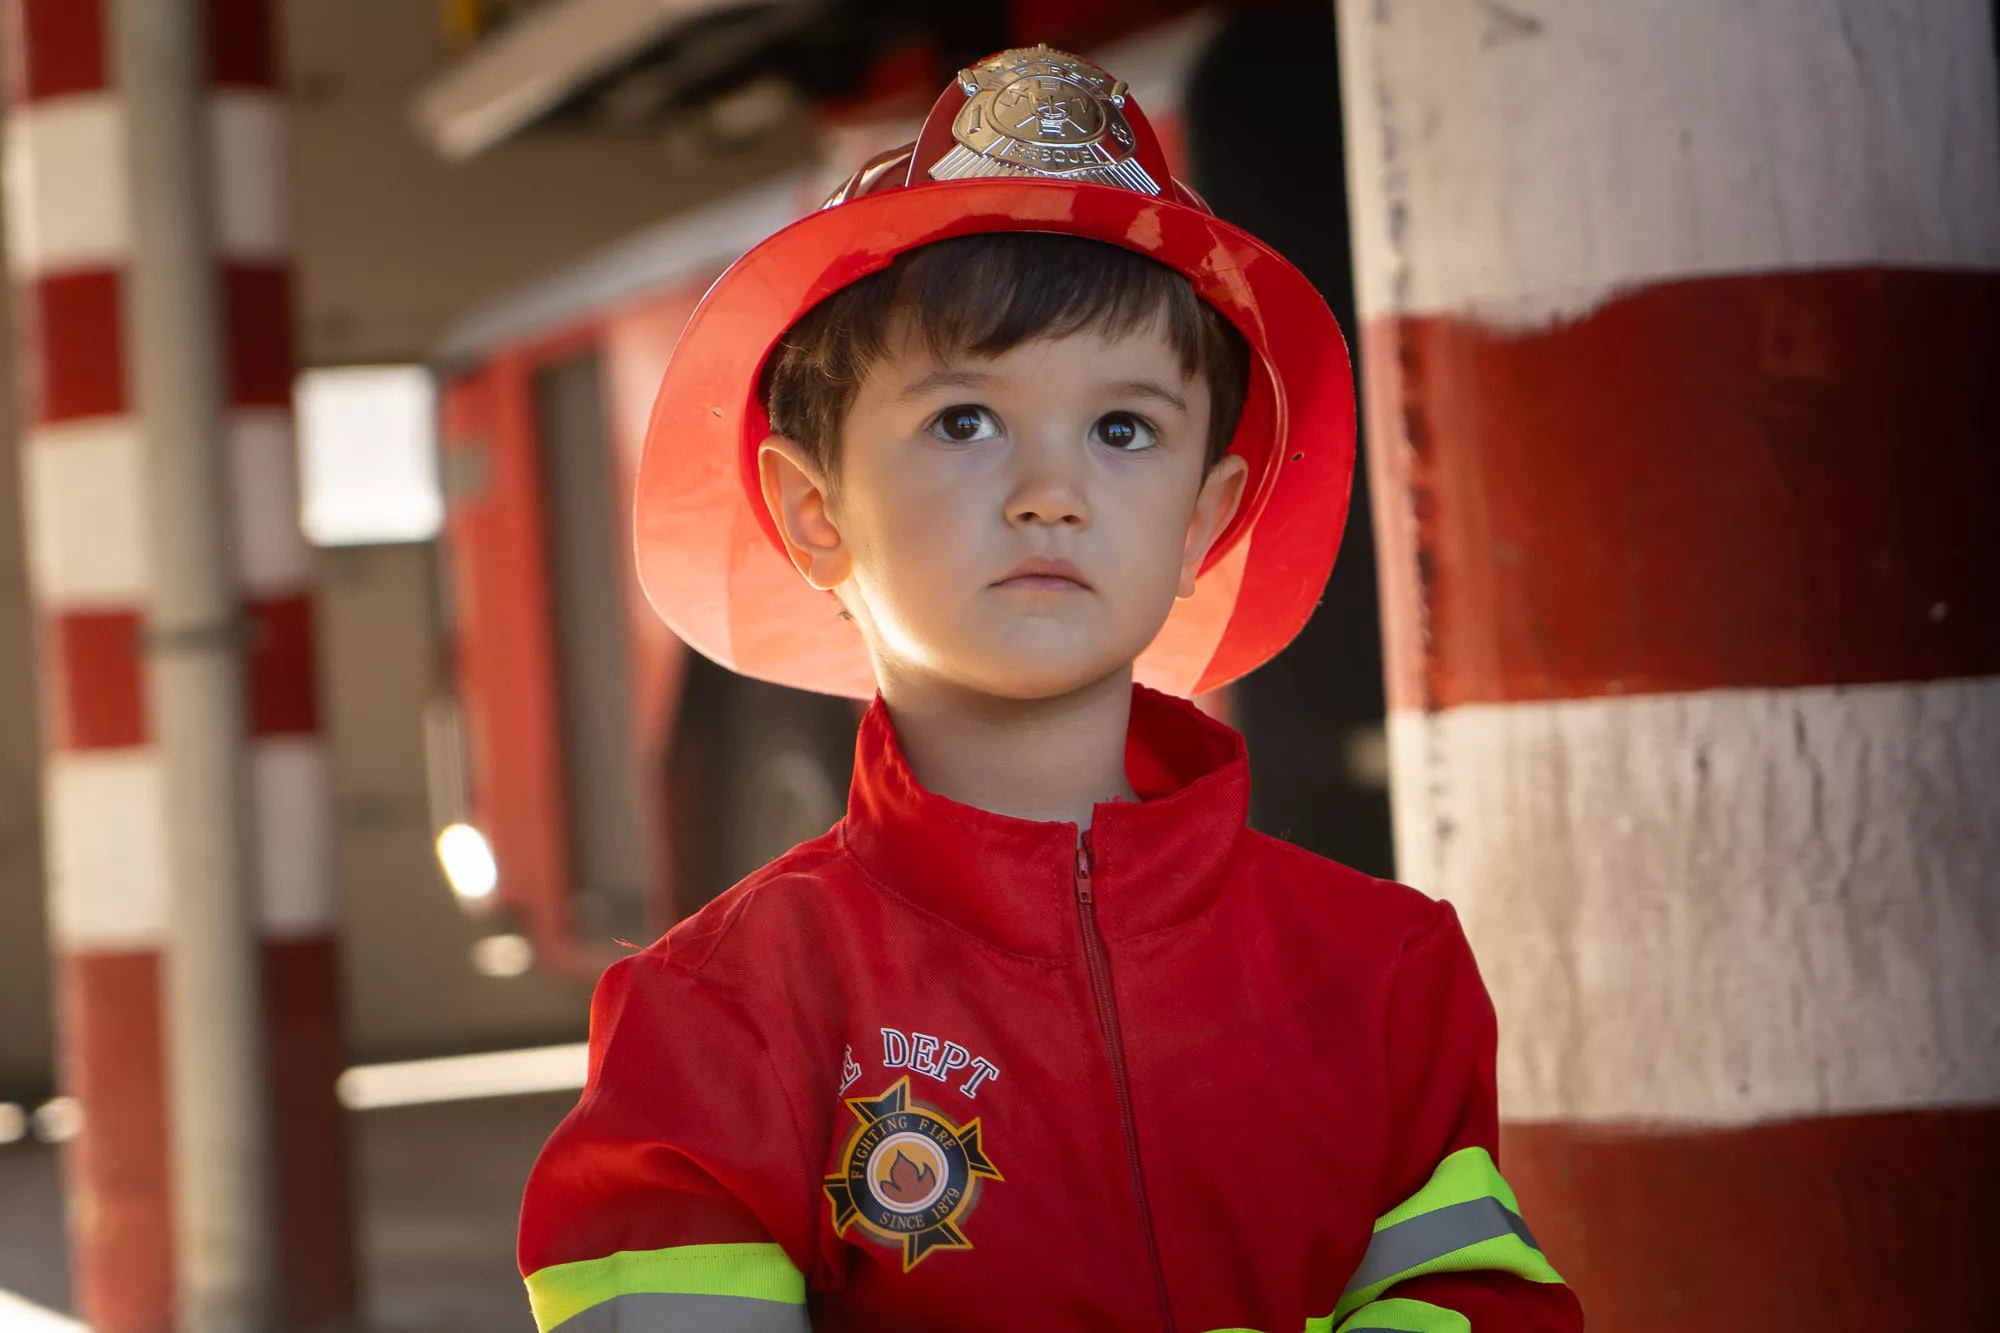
(1040, 1036)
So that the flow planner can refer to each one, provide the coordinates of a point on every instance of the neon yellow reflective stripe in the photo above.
(1464, 1220)
(1466, 1175)
(1390, 1316)
(1398, 1316)
(755, 1271)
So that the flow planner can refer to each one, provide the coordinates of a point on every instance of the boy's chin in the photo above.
(1028, 676)
(1021, 661)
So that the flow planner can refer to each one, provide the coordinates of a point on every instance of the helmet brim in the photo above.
(708, 552)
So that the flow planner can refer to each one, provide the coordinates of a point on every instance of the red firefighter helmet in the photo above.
(1028, 140)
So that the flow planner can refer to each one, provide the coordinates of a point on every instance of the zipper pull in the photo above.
(1083, 871)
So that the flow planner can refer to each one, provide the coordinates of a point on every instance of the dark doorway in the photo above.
(1264, 136)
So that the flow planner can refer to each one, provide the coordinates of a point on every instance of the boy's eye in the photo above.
(1123, 430)
(964, 424)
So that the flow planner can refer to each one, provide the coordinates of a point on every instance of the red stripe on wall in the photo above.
(242, 52)
(302, 1001)
(258, 312)
(1765, 481)
(116, 1169)
(54, 47)
(283, 697)
(1846, 1224)
(74, 358)
(95, 697)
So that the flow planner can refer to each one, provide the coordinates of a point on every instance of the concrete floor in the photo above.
(439, 1190)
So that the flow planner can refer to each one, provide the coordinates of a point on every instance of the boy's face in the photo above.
(1018, 525)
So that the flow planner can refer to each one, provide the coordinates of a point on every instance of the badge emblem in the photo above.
(1038, 112)
(908, 1175)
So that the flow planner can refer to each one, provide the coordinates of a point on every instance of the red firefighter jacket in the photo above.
(943, 1069)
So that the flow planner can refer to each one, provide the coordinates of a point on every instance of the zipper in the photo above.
(1099, 960)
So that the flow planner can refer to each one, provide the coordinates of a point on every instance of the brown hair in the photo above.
(987, 294)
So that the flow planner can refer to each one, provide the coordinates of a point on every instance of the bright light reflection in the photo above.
(21, 1315)
(502, 956)
(455, 1077)
(57, 1120)
(367, 438)
(468, 863)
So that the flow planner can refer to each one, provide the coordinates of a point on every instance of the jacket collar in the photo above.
(1154, 862)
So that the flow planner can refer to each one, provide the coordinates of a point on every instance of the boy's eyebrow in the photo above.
(1149, 389)
(947, 378)
(951, 378)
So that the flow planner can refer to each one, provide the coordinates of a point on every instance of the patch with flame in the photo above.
(908, 1175)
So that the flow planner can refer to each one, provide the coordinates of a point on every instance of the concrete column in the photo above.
(157, 328)
(1677, 335)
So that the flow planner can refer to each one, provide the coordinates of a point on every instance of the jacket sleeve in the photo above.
(1450, 1252)
(676, 1196)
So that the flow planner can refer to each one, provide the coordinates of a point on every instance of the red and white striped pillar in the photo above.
(1679, 350)
(70, 226)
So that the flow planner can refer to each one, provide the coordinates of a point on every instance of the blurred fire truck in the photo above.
(592, 779)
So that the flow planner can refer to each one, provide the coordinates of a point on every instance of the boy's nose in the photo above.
(1051, 508)
(1047, 486)
(1051, 500)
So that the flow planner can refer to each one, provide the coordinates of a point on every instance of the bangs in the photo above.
(986, 295)
(983, 296)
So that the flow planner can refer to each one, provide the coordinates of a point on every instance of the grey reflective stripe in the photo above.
(1433, 1235)
(659, 1312)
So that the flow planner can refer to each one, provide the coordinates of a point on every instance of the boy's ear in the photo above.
(795, 493)
(1221, 492)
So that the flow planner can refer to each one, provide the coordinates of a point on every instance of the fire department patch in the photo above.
(908, 1175)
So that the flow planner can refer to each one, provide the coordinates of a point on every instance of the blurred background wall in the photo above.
(392, 244)
(395, 242)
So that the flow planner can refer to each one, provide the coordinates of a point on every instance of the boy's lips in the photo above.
(1044, 573)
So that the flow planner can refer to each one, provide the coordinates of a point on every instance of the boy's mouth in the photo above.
(1044, 573)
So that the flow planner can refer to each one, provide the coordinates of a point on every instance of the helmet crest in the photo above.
(1039, 112)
